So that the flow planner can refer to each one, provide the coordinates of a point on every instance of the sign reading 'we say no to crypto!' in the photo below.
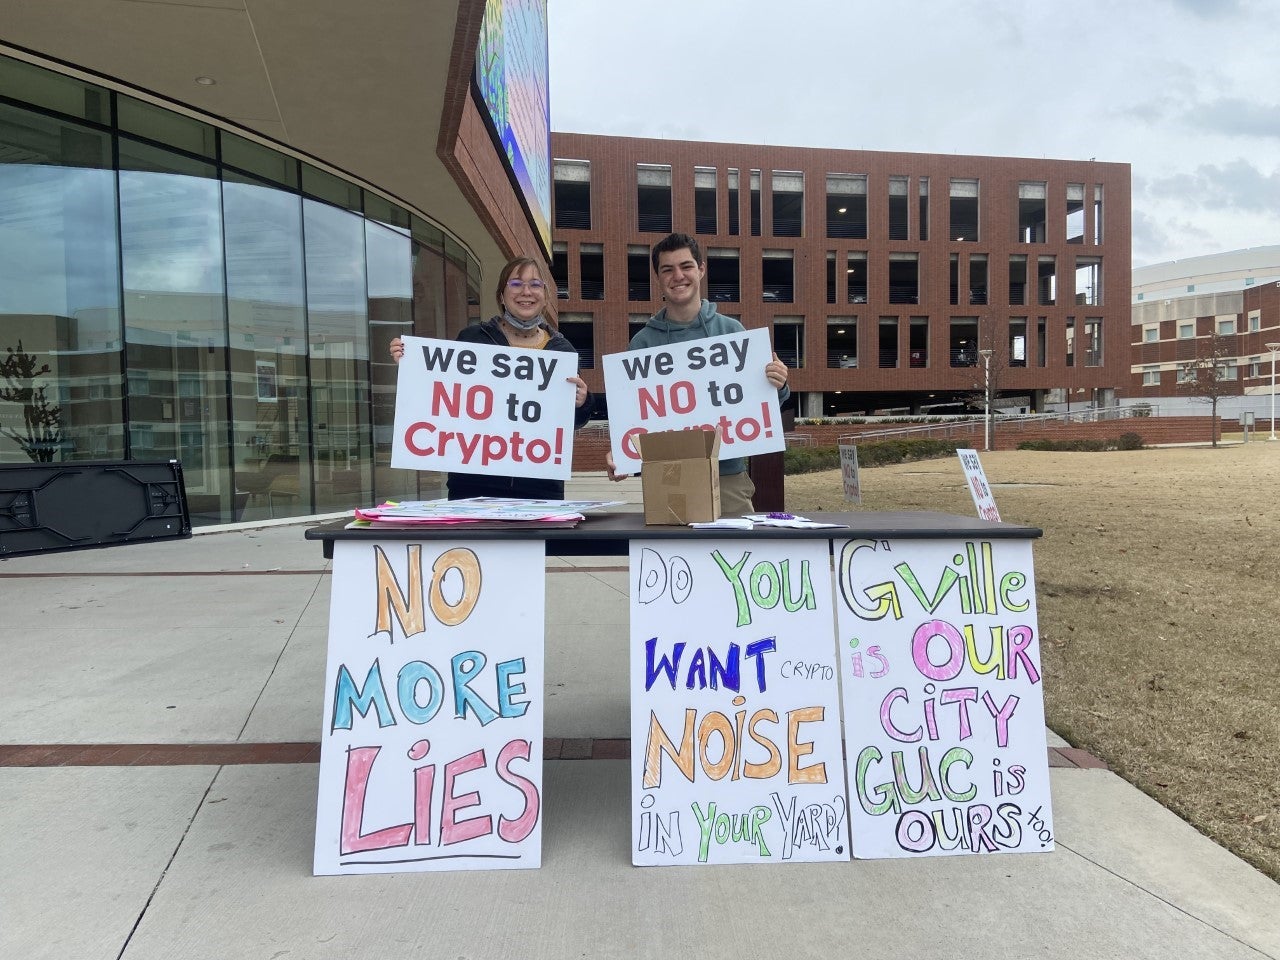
(476, 408)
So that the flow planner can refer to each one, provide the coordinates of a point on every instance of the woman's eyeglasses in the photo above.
(534, 285)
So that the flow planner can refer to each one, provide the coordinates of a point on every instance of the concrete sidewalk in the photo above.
(158, 788)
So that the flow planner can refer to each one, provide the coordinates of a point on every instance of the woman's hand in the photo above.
(397, 349)
(580, 390)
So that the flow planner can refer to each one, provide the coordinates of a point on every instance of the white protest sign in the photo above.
(735, 727)
(716, 383)
(976, 480)
(431, 749)
(477, 408)
(849, 472)
(943, 706)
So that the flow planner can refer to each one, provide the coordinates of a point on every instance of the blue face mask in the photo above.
(524, 325)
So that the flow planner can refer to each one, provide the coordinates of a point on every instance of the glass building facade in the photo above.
(173, 290)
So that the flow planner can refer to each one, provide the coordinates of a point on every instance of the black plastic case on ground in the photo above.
(79, 504)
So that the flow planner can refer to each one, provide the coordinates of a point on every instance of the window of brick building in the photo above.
(924, 208)
(904, 278)
(1089, 281)
(704, 199)
(964, 210)
(591, 271)
(887, 343)
(788, 203)
(1075, 213)
(899, 215)
(918, 342)
(777, 276)
(723, 275)
(788, 340)
(653, 197)
(560, 269)
(977, 278)
(856, 272)
(842, 342)
(1032, 212)
(731, 181)
(579, 330)
(846, 206)
(1047, 281)
(638, 264)
(572, 194)
(755, 203)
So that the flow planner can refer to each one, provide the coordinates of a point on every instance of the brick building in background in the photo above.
(1187, 311)
(882, 276)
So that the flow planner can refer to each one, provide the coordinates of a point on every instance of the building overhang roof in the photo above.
(379, 92)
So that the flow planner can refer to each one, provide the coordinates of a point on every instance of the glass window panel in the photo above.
(266, 313)
(259, 160)
(337, 305)
(165, 126)
(26, 81)
(174, 312)
(390, 258)
(384, 211)
(318, 183)
(59, 292)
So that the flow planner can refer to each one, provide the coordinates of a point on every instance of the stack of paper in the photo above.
(477, 509)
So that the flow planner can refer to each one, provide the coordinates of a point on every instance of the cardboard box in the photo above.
(680, 476)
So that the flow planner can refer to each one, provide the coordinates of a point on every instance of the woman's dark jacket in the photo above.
(463, 485)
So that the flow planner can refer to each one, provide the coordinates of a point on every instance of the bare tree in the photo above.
(1205, 378)
(993, 361)
(41, 420)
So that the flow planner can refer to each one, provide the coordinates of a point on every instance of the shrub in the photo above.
(1127, 441)
(873, 453)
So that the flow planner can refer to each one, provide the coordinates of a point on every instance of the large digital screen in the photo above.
(511, 84)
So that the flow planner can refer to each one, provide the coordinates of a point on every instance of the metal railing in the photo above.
(963, 425)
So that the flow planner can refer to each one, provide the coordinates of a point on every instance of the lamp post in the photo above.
(986, 398)
(1273, 347)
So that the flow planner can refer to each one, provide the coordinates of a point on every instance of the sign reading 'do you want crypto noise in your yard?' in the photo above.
(477, 408)
(735, 721)
(431, 750)
(717, 383)
(943, 705)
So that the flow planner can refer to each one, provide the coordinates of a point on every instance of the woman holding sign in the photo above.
(522, 298)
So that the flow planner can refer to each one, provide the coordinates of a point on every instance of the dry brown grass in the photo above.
(1159, 616)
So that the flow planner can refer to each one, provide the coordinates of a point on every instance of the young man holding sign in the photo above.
(677, 261)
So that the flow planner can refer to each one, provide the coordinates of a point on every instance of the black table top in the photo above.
(610, 534)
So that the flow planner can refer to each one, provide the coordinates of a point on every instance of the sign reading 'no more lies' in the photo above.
(431, 754)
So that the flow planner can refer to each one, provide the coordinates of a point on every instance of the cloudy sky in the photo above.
(1186, 91)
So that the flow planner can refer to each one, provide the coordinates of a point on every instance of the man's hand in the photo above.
(775, 371)
(613, 468)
